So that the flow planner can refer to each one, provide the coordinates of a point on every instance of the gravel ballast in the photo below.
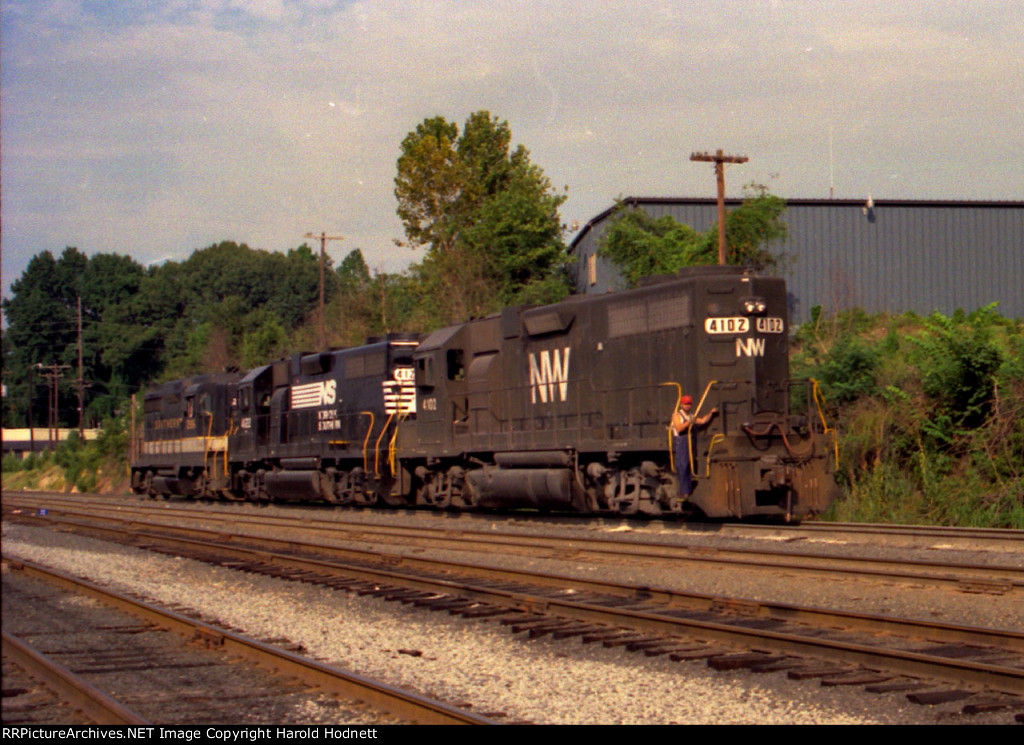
(464, 661)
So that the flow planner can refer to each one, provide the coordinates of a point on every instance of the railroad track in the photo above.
(67, 698)
(179, 682)
(972, 578)
(985, 666)
(927, 536)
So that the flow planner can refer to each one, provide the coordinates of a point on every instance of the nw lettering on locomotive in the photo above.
(552, 370)
(750, 347)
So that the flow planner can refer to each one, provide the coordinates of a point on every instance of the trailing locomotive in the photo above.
(185, 426)
(560, 407)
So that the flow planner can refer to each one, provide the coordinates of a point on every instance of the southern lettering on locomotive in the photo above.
(564, 406)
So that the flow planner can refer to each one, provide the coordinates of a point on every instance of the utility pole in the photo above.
(720, 159)
(81, 380)
(323, 244)
(53, 431)
(31, 395)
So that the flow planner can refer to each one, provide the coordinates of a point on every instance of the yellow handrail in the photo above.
(819, 403)
(392, 445)
(668, 430)
(206, 440)
(376, 446)
(715, 439)
(366, 442)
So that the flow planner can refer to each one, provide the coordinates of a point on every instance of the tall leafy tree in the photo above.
(486, 216)
(431, 179)
(41, 330)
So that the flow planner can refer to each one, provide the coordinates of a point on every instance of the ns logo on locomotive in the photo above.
(558, 407)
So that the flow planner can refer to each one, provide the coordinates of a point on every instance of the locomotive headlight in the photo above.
(754, 306)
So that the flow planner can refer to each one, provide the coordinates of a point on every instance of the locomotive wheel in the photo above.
(625, 493)
(148, 486)
(446, 490)
(634, 493)
(343, 489)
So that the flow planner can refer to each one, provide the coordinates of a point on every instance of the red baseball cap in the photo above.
(686, 400)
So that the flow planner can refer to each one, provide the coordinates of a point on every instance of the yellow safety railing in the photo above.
(369, 431)
(819, 404)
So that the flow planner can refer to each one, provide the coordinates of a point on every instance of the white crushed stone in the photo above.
(541, 681)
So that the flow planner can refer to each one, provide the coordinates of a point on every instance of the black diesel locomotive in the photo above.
(560, 407)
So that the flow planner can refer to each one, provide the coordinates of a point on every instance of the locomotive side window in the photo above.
(456, 365)
(425, 371)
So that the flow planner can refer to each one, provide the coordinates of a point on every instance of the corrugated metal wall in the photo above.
(905, 255)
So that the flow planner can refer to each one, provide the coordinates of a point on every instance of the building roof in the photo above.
(635, 201)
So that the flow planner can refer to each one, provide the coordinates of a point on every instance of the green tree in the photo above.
(641, 246)
(754, 226)
(263, 341)
(219, 288)
(353, 273)
(430, 181)
(486, 216)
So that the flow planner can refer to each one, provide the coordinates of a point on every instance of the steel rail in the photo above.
(995, 535)
(927, 531)
(93, 703)
(971, 578)
(401, 703)
(212, 540)
(657, 620)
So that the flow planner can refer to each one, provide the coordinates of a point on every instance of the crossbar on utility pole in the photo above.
(323, 243)
(720, 159)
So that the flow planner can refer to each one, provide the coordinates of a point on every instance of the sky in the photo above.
(153, 128)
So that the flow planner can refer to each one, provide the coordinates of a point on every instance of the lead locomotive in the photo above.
(561, 407)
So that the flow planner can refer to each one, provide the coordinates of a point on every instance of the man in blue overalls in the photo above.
(682, 421)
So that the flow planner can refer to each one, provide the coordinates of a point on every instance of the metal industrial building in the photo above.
(885, 255)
